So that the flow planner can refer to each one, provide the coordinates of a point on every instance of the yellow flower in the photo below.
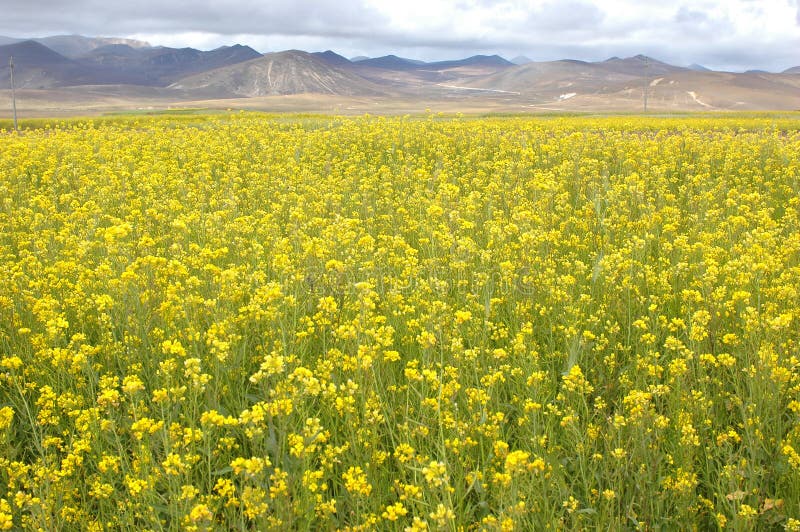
(254, 500)
(462, 316)
(435, 473)
(6, 417)
(575, 381)
(394, 511)
(404, 453)
(6, 519)
(517, 462)
(355, 481)
(442, 515)
(132, 384)
(746, 511)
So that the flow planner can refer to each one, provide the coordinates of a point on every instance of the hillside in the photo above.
(412, 76)
(290, 72)
(553, 78)
(39, 67)
(159, 66)
(36, 66)
(108, 67)
(620, 84)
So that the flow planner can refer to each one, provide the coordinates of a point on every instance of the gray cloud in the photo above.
(305, 17)
(569, 15)
(698, 24)
(686, 15)
(702, 32)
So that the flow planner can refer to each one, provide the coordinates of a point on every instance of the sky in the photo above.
(721, 34)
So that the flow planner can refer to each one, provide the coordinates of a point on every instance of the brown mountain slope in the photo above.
(409, 76)
(639, 65)
(725, 90)
(290, 72)
(555, 78)
(616, 84)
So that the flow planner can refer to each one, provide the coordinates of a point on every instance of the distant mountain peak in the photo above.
(73, 46)
(32, 52)
(491, 61)
(332, 58)
(638, 58)
(639, 65)
(390, 62)
(494, 58)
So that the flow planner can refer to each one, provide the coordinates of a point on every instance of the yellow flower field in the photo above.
(252, 322)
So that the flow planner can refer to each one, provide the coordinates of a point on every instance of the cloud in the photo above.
(289, 17)
(732, 34)
(697, 24)
(571, 16)
(686, 15)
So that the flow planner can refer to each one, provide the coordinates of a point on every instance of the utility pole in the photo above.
(13, 92)
(646, 81)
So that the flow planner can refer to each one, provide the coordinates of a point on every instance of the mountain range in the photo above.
(113, 65)
(76, 45)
